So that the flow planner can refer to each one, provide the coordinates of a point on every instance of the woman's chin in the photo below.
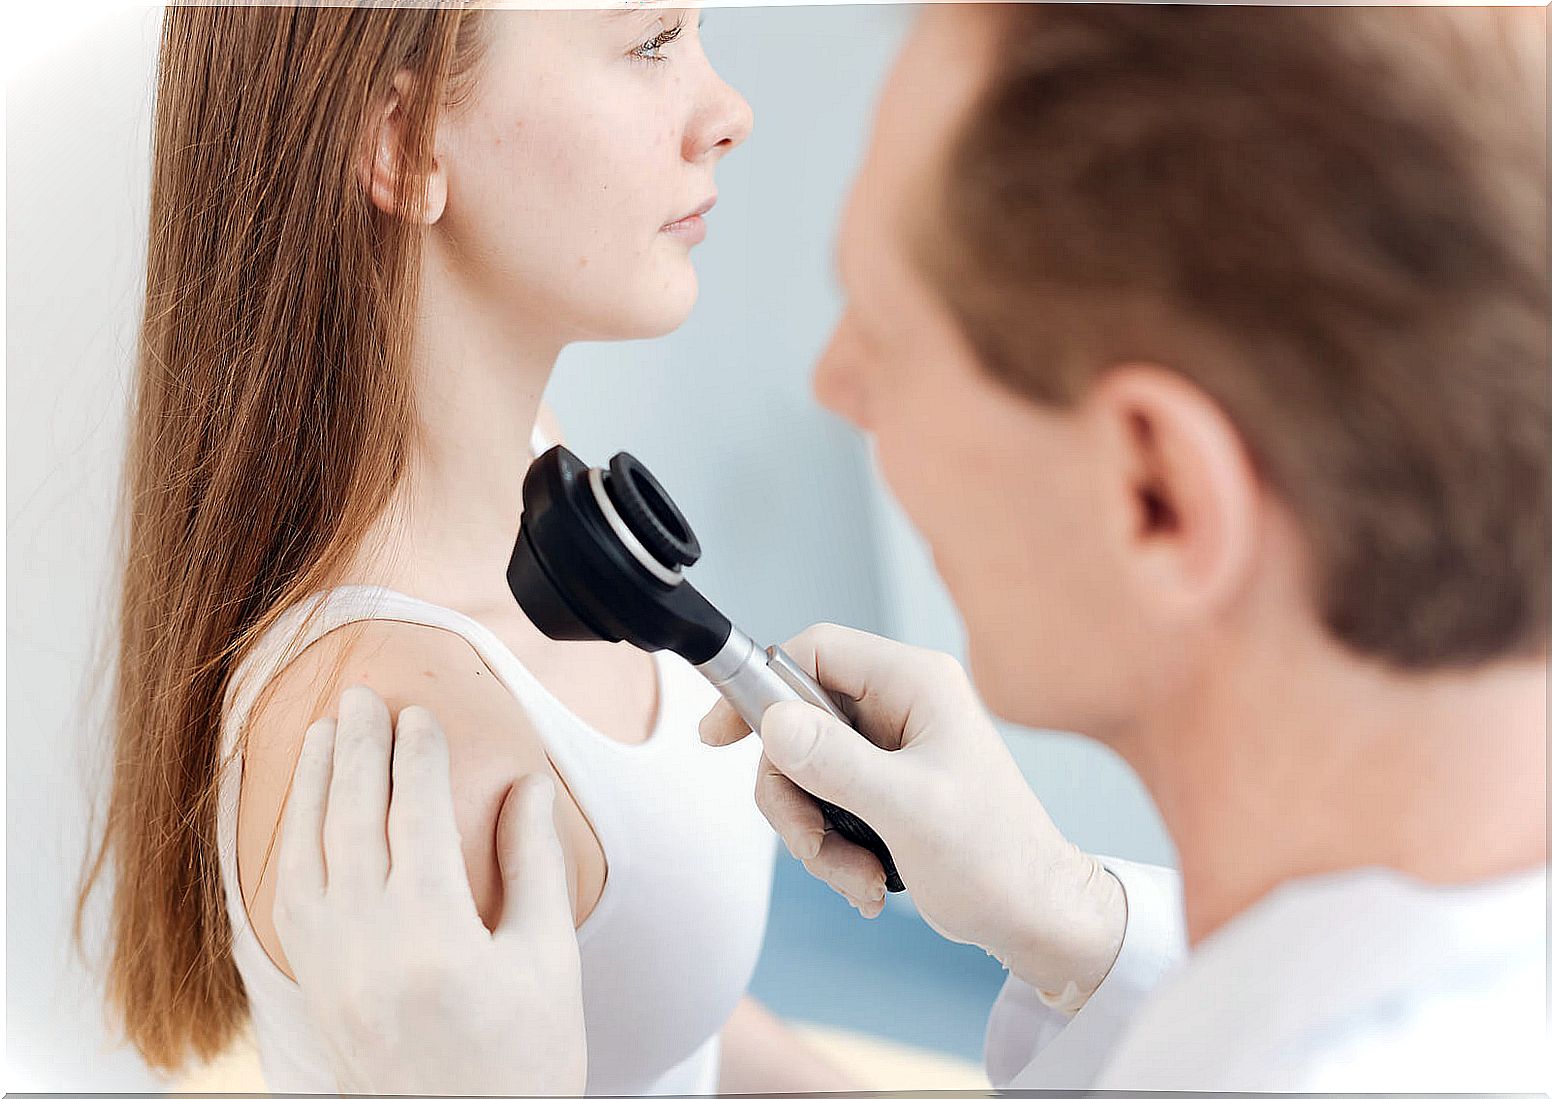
(648, 308)
(662, 313)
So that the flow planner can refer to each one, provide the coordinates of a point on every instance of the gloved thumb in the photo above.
(537, 899)
(828, 758)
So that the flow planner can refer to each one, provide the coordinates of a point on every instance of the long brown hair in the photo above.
(271, 422)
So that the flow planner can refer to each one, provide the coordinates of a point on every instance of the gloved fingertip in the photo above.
(359, 700)
(530, 803)
(542, 788)
(790, 730)
(716, 727)
(813, 841)
(805, 846)
(419, 723)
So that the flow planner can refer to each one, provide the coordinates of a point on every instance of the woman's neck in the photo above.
(478, 382)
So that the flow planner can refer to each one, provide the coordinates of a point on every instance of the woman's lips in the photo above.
(691, 227)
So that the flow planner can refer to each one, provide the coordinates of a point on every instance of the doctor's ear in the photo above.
(1182, 489)
(384, 157)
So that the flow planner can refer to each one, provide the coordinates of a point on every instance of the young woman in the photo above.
(372, 232)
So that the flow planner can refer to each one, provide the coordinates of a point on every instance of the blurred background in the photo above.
(795, 524)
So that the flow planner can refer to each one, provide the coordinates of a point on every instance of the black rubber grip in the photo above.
(858, 831)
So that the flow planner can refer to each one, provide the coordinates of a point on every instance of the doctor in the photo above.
(1208, 350)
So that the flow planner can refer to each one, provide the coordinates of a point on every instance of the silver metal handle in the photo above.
(742, 673)
(754, 679)
(807, 688)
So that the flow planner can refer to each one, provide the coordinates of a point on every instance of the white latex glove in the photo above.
(409, 990)
(980, 857)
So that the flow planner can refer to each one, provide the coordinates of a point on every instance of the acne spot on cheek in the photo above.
(582, 261)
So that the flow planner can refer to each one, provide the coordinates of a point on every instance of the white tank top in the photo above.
(671, 945)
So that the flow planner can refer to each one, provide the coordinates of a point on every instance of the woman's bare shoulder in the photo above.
(406, 663)
(491, 742)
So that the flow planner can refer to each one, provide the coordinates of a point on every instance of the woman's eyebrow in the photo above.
(629, 16)
(650, 7)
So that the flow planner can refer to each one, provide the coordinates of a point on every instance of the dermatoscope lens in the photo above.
(651, 513)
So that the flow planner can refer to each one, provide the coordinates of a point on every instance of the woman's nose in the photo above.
(724, 123)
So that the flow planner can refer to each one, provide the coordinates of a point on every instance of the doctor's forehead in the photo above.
(930, 90)
(946, 61)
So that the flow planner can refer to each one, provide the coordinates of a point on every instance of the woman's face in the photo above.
(574, 169)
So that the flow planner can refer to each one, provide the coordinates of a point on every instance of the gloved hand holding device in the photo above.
(409, 990)
(984, 862)
(601, 555)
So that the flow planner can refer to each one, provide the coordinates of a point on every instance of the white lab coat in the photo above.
(1363, 981)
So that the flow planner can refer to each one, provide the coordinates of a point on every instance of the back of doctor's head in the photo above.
(1334, 222)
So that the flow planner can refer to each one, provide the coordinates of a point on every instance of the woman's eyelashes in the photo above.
(652, 49)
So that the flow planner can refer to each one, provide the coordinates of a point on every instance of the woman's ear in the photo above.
(1183, 485)
(384, 153)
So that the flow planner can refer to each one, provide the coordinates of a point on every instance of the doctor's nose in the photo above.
(838, 381)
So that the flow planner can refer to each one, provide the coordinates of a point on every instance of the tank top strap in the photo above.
(584, 758)
(324, 612)
(685, 849)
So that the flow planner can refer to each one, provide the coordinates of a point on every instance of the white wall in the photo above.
(76, 149)
(781, 495)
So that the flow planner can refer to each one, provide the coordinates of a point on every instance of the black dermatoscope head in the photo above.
(601, 554)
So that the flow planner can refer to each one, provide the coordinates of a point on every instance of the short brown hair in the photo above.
(1333, 221)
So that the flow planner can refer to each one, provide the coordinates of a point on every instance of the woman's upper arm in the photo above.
(490, 740)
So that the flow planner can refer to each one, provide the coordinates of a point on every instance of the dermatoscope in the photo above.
(601, 554)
